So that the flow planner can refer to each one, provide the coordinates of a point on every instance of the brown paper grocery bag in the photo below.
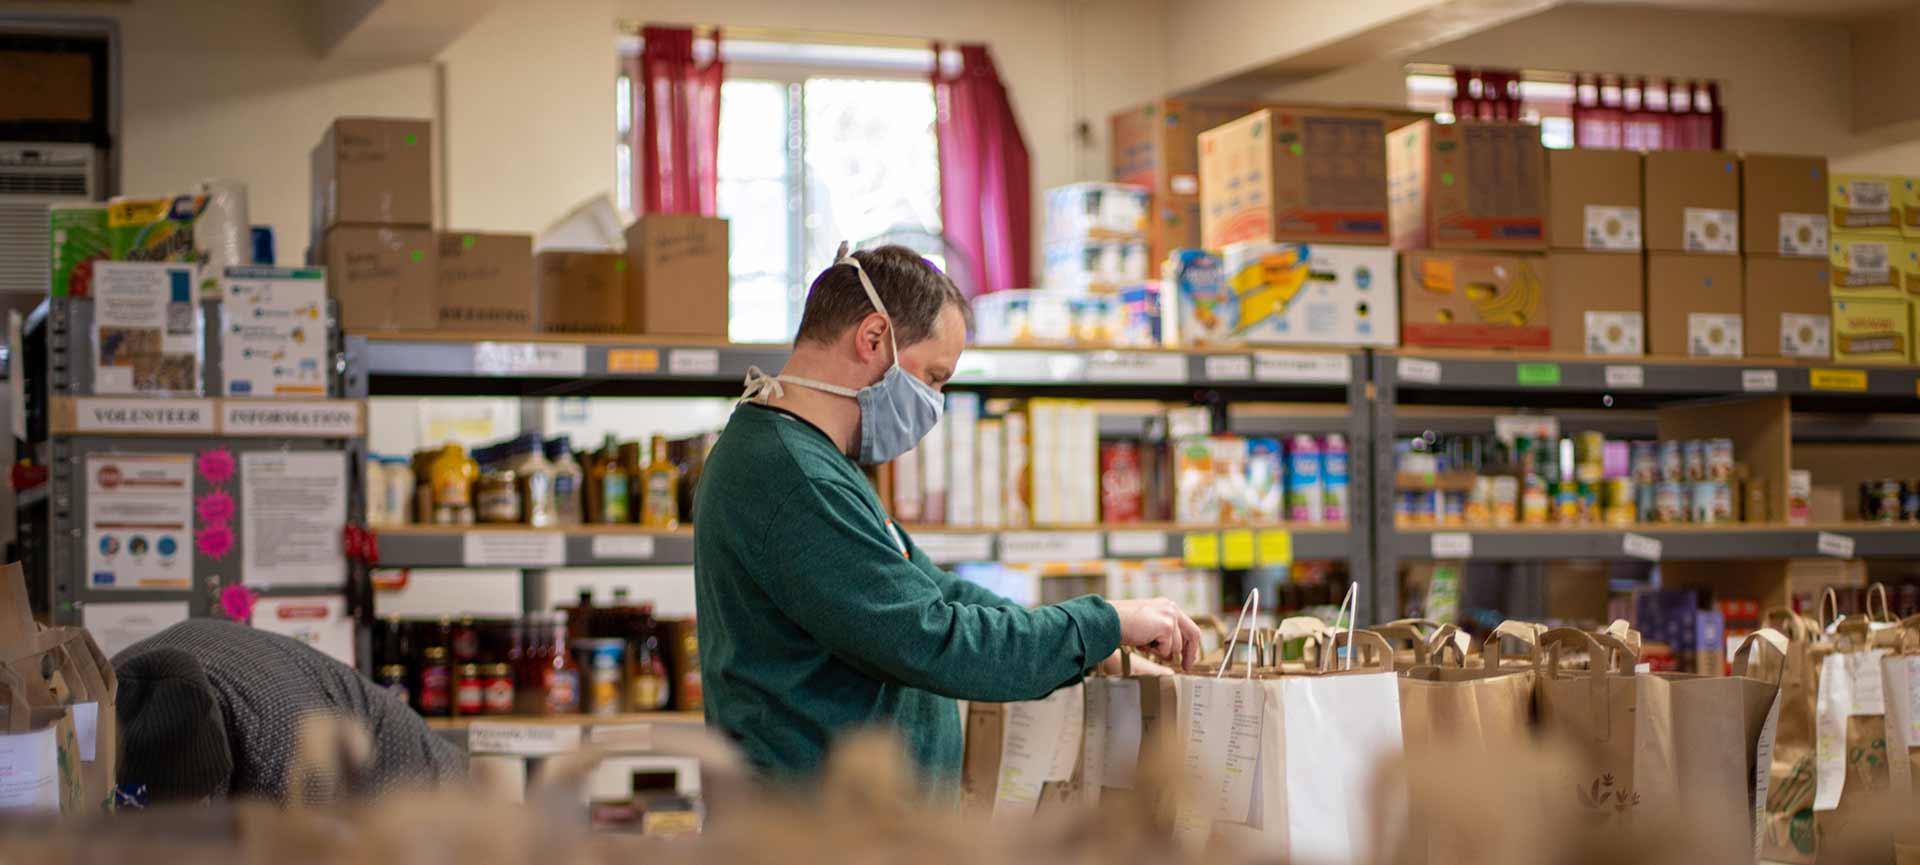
(1859, 828)
(1448, 709)
(1788, 832)
(1598, 712)
(31, 713)
(1900, 672)
(85, 683)
(1720, 730)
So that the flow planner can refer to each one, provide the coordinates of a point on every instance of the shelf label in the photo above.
(529, 358)
(633, 360)
(1156, 367)
(1278, 366)
(1236, 549)
(1013, 367)
(1228, 367)
(1016, 547)
(1837, 379)
(1136, 544)
(1837, 546)
(1200, 549)
(1451, 545)
(518, 549)
(621, 737)
(526, 740)
(290, 418)
(1641, 547)
(1276, 548)
(693, 361)
(1759, 380)
(948, 549)
(143, 415)
(623, 547)
(1537, 374)
(1416, 369)
(1626, 376)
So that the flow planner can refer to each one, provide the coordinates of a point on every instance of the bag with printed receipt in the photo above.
(1900, 674)
(1788, 833)
(66, 686)
(1855, 808)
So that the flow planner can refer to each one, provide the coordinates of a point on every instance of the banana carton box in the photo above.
(1285, 294)
(1473, 300)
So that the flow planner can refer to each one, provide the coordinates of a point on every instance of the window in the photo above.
(1546, 99)
(818, 144)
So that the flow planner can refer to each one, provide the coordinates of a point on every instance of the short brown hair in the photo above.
(912, 288)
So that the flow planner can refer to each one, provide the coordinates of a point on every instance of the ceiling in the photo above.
(1823, 10)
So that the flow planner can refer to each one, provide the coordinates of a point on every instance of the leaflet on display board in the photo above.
(139, 521)
(293, 509)
(146, 329)
(274, 331)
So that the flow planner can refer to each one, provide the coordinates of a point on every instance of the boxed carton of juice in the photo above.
(1313, 294)
(1199, 310)
(1230, 478)
(1266, 480)
(1196, 496)
(1864, 202)
(1872, 329)
(79, 234)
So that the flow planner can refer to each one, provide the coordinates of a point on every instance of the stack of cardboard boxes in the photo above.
(390, 270)
(1155, 147)
(1295, 203)
(1598, 260)
(1694, 289)
(1469, 207)
(1784, 236)
(1874, 267)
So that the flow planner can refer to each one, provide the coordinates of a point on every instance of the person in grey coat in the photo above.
(212, 709)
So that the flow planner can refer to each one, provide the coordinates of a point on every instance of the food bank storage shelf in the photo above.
(507, 546)
(1891, 388)
(463, 722)
(425, 364)
(545, 736)
(1660, 543)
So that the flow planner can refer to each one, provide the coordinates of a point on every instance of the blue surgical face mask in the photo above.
(896, 412)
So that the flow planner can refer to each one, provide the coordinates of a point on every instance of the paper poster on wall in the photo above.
(466, 421)
(146, 329)
(293, 506)
(274, 331)
(117, 626)
(319, 622)
(139, 521)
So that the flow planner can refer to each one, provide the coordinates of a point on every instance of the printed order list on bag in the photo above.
(30, 771)
(146, 329)
(293, 506)
(274, 339)
(1041, 743)
(1220, 730)
(139, 521)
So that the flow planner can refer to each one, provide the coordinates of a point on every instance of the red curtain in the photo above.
(986, 201)
(676, 146)
(1612, 112)
(1486, 94)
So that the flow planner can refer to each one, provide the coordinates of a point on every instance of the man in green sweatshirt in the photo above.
(817, 613)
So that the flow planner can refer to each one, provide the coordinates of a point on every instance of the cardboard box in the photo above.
(1872, 329)
(1599, 303)
(1277, 175)
(485, 282)
(1468, 185)
(385, 278)
(1451, 299)
(581, 292)
(1787, 312)
(1593, 200)
(373, 171)
(1867, 263)
(1865, 203)
(1692, 202)
(677, 280)
(1783, 205)
(1694, 304)
(1296, 294)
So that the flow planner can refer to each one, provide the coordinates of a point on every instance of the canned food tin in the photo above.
(1693, 454)
(1673, 468)
(1506, 500)
(1719, 459)
(1453, 508)
(602, 665)
(1910, 501)
(1712, 502)
(1669, 502)
(1645, 463)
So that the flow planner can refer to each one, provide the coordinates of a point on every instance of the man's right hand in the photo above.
(1159, 627)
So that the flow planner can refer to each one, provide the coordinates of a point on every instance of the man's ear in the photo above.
(870, 337)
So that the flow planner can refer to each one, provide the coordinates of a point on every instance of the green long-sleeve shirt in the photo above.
(817, 614)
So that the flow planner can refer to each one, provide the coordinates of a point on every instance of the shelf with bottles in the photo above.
(436, 363)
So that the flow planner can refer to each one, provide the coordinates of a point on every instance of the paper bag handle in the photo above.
(1621, 630)
(1405, 631)
(19, 714)
(1879, 590)
(1769, 638)
(1444, 643)
(1363, 643)
(1796, 624)
(1252, 604)
(1528, 633)
(1830, 599)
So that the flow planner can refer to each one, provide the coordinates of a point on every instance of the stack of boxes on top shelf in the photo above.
(1695, 299)
(1094, 286)
(1469, 203)
(372, 226)
(1875, 266)
(1783, 233)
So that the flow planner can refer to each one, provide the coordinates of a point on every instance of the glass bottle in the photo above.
(568, 481)
(562, 674)
(433, 689)
(660, 499)
(452, 476)
(649, 687)
(535, 476)
(608, 487)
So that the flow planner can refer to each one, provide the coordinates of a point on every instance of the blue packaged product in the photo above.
(1266, 483)
(1200, 308)
(1333, 478)
(1306, 502)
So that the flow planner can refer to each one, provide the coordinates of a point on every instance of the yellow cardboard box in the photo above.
(1872, 329)
(1864, 203)
(1866, 263)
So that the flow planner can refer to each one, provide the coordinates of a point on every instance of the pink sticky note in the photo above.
(214, 507)
(236, 602)
(214, 541)
(216, 465)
